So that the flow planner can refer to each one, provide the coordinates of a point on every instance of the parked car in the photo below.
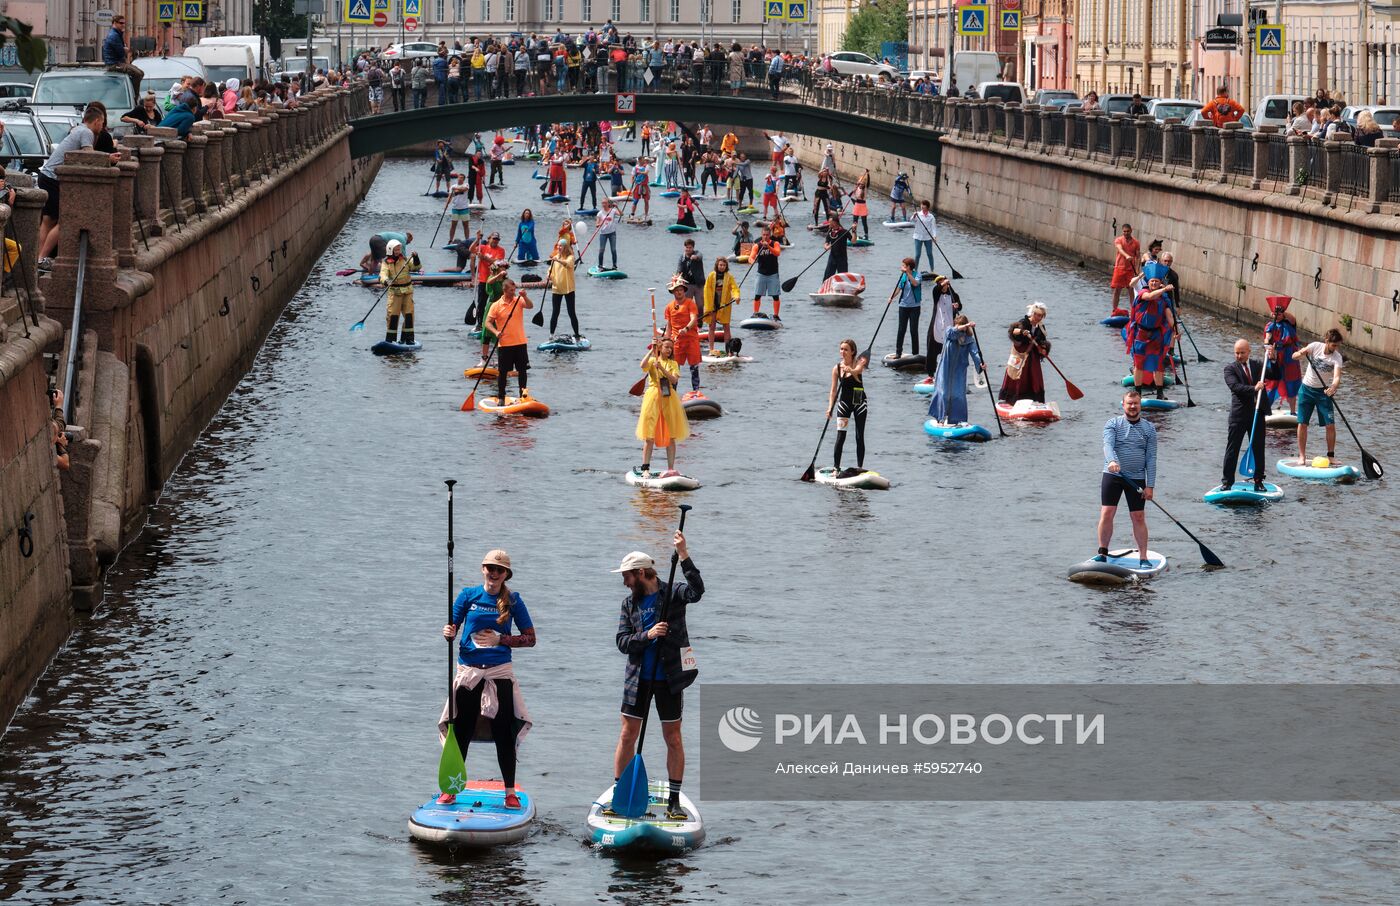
(26, 146)
(1276, 110)
(1197, 118)
(1163, 109)
(849, 63)
(1046, 97)
(1006, 92)
(1385, 118)
(57, 122)
(1070, 103)
(162, 72)
(15, 91)
(66, 88)
(409, 50)
(1119, 103)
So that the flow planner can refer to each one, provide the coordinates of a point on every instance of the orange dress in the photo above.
(678, 316)
(1124, 270)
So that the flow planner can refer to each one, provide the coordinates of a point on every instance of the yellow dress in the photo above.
(663, 418)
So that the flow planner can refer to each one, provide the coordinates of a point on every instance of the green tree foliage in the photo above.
(32, 52)
(878, 21)
(274, 20)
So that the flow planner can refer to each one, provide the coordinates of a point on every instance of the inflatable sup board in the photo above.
(653, 832)
(662, 482)
(1152, 403)
(904, 362)
(1029, 410)
(899, 224)
(724, 358)
(681, 228)
(1242, 493)
(565, 343)
(1285, 420)
(963, 431)
(603, 274)
(1121, 568)
(1167, 380)
(422, 278)
(865, 481)
(760, 321)
(388, 347)
(1343, 474)
(515, 405)
(479, 817)
(698, 405)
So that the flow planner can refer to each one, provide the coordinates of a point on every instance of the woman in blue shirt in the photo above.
(527, 248)
(486, 613)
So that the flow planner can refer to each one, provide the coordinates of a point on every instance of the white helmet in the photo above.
(394, 246)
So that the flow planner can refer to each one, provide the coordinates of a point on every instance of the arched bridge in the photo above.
(388, 132)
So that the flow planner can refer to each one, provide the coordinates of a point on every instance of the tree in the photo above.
(877, 21)
(32, 52)
(275, 20)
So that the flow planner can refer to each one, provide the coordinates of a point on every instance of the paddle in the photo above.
(489, 197)
(470, 402)
(360, 324)
(1247, 464)
(1199, 358)
(1185, 382)
(631, 792)
(638, 388)
(1372, 467)
(990, 395)
(1074, 392)
(452, 768)
(811, 473)
(538, 319)
(589, 241)
(1206, 553)
(792, 281)
(957, 275)
(441, 218)
(709, 224)
(470, 317)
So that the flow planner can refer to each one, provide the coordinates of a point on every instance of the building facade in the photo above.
(932, 30)
(1124, 46)
(74, 29)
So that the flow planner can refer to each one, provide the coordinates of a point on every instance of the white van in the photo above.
(162, 72)
(973, 67)
(1275, 110)
(263, 64)
(224, 61)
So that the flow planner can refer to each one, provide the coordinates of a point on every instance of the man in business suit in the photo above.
(1245, 378)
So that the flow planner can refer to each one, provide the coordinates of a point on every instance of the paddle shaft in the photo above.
(1185, 381)
(709, 224)
(515, 303)
(638, 388)
(432, 243)
(661, 616)
(790, 283)
(451, 664)
(1206, 553)
(1372, 466)
(1248, 456)
(1186, 330)
(359, 325)
(957, 275)
(991, 396)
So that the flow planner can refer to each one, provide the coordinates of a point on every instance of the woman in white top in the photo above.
(925, 231)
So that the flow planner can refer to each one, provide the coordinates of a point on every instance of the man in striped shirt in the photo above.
(1129, 469)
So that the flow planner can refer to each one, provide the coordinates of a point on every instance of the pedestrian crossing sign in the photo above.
(1011, 20)
(381, 6)
(797, 11)
(192, 10)
(412, 8)
(165, 12)
(775, 10)
(357, 12)
(972, 20)
(1268, 39)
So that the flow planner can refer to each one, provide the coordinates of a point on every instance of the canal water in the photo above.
(250, 716)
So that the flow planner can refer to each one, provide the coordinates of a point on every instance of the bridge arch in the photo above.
(389, 132)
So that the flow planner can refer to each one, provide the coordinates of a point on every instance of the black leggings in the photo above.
(567, 299)
(908, 320)
(858, 416)
(503, 727)
(588, 188)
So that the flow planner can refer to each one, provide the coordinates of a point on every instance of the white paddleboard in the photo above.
(865, 481)
(656, 482)
(653, 832)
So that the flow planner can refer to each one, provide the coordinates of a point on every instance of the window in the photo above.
(646, 11)
(441, 15)
(736, 10)
(510, 10)
(548, 10)
(705, 11)
(459, 10)
(616, 10)
(485, 10)
(675, 10)
(561, 10)
(587, 11)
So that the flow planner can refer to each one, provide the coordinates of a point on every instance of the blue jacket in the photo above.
(181, 119)
(113, 49)
(632, 640)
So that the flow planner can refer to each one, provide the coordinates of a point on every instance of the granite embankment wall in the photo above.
(183, 255)
(1237, 239)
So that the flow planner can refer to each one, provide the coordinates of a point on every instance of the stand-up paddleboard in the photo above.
(1242, 493)
(681, 228)
(539, 175)
(1114, 321)
(526, 262)
(861, 243)
(421, 278)
(479, 817)
(565, 343)
(622, 196)
(533, 281)
(664, 481)
(840, 289)
(586, 212)
(651, 833)
(926, 386)
(390, 347)
(556, 199)
(1343, 474)
(507, 162)
(904, 362)
(1167, 380)
(607, 273)
(899, 224)
(698, 405)
(438, 194)
(1030, 411)
(760, 321)
(1121, 568)
(515, 405)
(729, 202)
(475, 207)
(725, 358)
(864, 481)
(1154, 404)
(792, 197)
(488, 373)
(963, 431)
(841, 300)
(533, 155)
(747, 209)
(669, 193)
(641, 221)
(1281, 420)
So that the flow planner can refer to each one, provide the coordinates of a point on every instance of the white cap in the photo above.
(635, 560)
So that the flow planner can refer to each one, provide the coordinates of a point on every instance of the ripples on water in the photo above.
(250, 717)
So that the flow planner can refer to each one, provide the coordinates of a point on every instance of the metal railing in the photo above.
(1053, 130)
(1393, 165)
(1278, 162)
(1243, 162)
(1355, 170)
(1127, 132)
(1079, 139)
(1312, 163)
(1210, 160)
(1152, 142)
(1103, 136)
(75, 330)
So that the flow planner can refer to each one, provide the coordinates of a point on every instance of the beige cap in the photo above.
(498, 557)
(635, 560)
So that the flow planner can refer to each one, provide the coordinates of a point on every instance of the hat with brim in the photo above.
(677, 282)
(635, 560)
(499, 558)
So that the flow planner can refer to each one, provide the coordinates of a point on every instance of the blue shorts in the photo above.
(1309, 399)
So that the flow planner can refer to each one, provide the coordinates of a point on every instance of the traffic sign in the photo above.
(165, 12)
(380, 19)
(1268, 39)
(972, 20)
(104, 17)
(1011, 20)
(412, 8)
(1010, 4)
(411, 23)
(382, 5)
(797, 11)
(192, 10)
(775, 10)
(357, 12)
(624, 103)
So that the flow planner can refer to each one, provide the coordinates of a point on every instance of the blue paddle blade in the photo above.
(357, 326)
(630, 794)
(1247, 460)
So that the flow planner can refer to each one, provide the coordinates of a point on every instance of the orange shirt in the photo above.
(507, 324)
(1222, 110)
(679, 315)
(485, 257)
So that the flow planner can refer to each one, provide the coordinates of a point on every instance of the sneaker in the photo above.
(848, 473)
(646, 473)
(1259, 488)
(447, 799)
(1099, 558)
(670, 473)
(1225, 487)
(927, 380)
(676, 813)
(45, 264)
(1143, 564)
(512, 800)
(778, 319)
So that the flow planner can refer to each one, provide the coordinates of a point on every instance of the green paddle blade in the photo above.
(630, 794)
(452, 770)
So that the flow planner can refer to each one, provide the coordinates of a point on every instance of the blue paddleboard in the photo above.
(963, 431)
(1242, 493)
(1151, 402)
(478, 817)
(387, 347)
(565, 343)
(1340, 473)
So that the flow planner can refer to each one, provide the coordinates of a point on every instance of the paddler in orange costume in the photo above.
(507, 321)
(1126, 254)
(682, 320)
(662, 422)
